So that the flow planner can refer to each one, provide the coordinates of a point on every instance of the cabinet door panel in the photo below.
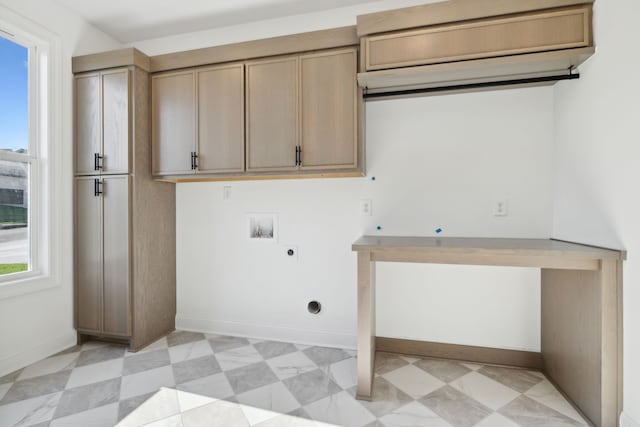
(88, 122)
(88, 236)
(329, 110)
(115, 107)
(173, 123)
(272, 114)
(117, 313)
(221, 119)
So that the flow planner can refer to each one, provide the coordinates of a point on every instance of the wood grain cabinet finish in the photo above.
(102, 122)
(329, 108)
(549, 30)
(102, 255)
(198, 121)
(272, 114)
(173, 122)
(306, 103)
(124, 222)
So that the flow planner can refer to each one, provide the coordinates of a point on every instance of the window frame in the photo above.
(45, 168)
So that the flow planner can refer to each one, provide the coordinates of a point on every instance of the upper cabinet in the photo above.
(102, 122)
(452, 45)
(286, 115)
(329, 110)
(173, 123)
(272, 114)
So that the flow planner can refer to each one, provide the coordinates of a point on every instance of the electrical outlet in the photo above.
(500, 207)
(226, 193)
(366, 207)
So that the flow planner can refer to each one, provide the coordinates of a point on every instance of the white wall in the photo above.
(597, 157)
(432, 170)
(34, 325)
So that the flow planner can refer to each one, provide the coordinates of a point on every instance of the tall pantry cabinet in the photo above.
(124, 221)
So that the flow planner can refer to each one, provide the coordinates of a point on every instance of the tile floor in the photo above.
(227, 380)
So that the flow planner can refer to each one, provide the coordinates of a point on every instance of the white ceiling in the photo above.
(135, 20)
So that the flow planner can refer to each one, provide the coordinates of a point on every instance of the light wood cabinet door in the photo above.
(88, 129)
(221, 119)
(328, 110)
(115, 118)
(88, 248)
(116, 256)
(272, 114)
(173, 123)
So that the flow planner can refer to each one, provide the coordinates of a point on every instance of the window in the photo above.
(17, 159)
(31, 163)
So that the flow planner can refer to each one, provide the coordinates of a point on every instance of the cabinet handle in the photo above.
(195, 160)
(97, 190)
(96, 161)
(297, 155)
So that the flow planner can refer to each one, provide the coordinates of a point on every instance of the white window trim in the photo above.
(45, 135)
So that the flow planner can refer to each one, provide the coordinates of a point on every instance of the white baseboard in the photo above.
(267, 332)
(37, 352)
(627, 421)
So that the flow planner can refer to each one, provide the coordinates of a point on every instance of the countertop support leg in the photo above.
(366, 324)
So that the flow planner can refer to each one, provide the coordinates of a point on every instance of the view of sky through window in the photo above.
(14, 127)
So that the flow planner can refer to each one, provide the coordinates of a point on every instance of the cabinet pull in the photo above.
(297, 155)
(195, 160)
(96, 161)
(97, 190)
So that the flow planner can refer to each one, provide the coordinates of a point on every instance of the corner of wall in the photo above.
(37, 352)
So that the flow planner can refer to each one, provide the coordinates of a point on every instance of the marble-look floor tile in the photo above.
(188, 351)
(163, 404)
(173, 421)
(104, 416)
(257, 415)
(251, 376)
(4, 388)
(413, 381)
(413, 414)
(455, 407)
(238, 357)
(341, 409)
(385, 397)
(147, 381)
(323, 356)
(187, 401)
(30, 411)
(445, 370)
(87, 397)
(145, 361)
(216, 386)
(11, 378)
(311, 386)
(387, 362)
(546, 394)
(95, 373)
(99, 354)
(271, 349)
(34, 387)
(195, 368)
(183, 337)
(292, 364)
(221, 343)
(49, 366)
(518, 379)
(490, 393)
(472, 366)
(529, 413)
(273, 397)
(156, 345)
(344, 373)
(218, 413)
(127, 406)
(496, 420)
